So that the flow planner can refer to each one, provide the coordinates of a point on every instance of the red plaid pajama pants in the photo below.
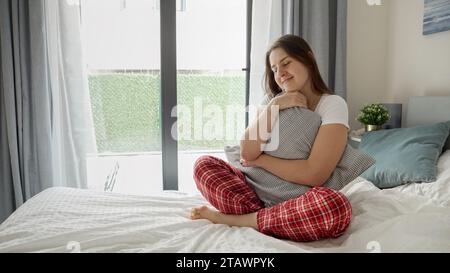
(318, 214)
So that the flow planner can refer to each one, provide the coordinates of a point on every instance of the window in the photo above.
(211, 42)
(122, 49)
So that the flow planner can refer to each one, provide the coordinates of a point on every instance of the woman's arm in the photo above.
(326, 152)
(258, 133)
(255, 138)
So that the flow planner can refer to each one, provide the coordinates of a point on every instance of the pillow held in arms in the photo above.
(298, 128)
(404, 155)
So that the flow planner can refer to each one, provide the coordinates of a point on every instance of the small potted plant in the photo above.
(373, 116)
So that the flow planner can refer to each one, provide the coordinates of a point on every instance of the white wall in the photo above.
(389, 59)
(418, 65)
(366, 55)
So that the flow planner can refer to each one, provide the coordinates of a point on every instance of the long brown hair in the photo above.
(297, 48)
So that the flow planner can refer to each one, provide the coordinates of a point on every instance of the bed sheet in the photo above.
(411, 218)
(438, 191)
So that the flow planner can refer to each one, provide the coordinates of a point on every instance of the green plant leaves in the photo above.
(373, 114)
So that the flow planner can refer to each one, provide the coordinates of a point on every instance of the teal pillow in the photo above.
(404, 155)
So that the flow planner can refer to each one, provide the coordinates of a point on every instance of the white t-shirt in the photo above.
(332, 109)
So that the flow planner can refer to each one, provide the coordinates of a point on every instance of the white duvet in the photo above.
(411, 218)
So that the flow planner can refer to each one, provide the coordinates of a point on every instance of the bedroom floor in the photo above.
(141, 174)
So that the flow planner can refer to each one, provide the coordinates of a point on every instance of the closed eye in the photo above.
(283, 64)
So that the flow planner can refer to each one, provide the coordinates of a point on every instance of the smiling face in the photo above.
(289, 73)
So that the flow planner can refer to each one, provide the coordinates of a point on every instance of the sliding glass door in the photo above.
(122, 52)
(133, 96)
(211, 82)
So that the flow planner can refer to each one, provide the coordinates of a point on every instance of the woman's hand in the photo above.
(289, 100)
(253, 163)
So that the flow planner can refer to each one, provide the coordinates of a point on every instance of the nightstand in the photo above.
(354, 138)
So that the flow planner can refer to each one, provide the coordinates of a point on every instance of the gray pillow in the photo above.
(298, 128)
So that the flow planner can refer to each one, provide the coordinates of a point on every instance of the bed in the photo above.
(409, 218)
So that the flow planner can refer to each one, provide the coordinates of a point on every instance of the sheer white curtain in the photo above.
(46, 124)
(72, 126)
(266, 28)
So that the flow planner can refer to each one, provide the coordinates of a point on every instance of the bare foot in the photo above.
(205, 213)
(247, 220)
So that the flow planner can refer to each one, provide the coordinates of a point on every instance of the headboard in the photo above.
(428, 110)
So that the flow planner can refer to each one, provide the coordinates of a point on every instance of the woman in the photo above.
(292, 80)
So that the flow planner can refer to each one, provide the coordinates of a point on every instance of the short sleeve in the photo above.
(333, 110)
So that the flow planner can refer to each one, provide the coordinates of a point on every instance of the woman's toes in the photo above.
(195, 213)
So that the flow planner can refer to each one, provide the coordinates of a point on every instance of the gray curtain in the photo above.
(323, 24)
(45, 121)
